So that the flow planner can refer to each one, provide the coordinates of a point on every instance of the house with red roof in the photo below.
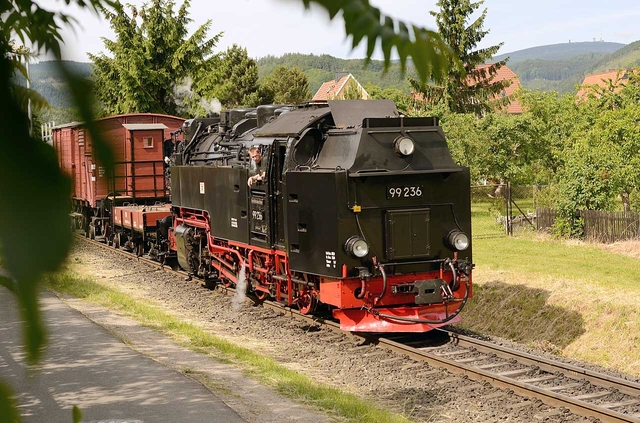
(336, 88)
(617, 78)
(503, 74)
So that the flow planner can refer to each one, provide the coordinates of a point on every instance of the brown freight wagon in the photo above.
(137, 141)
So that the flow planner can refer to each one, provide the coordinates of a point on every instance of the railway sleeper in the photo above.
(473, 359)
(538, 379)
(518, 372)
(621, 404)
(593, 395)
(563, 387)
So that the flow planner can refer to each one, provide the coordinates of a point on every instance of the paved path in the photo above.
(86, 366)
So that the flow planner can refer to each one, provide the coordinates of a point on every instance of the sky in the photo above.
(275, 27)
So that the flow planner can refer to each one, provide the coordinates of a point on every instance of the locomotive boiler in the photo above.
(361, 211)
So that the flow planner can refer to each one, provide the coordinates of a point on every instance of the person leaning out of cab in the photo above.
(256, 166)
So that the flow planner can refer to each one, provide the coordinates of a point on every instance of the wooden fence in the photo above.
(545, 218)
(599, 226)
(603, 226)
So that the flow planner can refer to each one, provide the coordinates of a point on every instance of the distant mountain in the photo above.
(560, 51)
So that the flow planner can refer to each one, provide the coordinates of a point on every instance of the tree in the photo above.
(233, 81)
(287, 85)
(151, 54)
(352, 91)
(469, 88)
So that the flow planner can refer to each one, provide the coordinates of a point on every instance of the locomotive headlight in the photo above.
(357, 247)
(404, 146)
(458, 240)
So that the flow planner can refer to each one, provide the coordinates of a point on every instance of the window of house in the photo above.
(147, 142)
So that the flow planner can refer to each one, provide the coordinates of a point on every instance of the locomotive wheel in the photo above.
(260, 295)
(307, 303)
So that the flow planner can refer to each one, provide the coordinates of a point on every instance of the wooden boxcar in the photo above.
(137, 141)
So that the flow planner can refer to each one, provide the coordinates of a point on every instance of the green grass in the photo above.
(555, 258)
(573, 299)
(286, 381)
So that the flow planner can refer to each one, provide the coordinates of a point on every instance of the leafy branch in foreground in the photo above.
(431, 56)
(34, 227)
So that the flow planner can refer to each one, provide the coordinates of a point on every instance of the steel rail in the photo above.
(549, 365)
(529, 390)
(526, 389)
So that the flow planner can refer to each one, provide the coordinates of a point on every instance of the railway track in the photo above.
(582, 391)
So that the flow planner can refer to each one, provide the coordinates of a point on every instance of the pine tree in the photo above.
(469, 87)
(152, 53)
(234, 80)
(352, 91)
(287, 85)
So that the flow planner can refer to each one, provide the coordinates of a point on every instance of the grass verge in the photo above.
(544, 256)
(573, 299)
(286, 381)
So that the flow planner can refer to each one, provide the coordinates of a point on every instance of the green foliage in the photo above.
(29, 172)
(8, 410)
(404, 103)
(76, 414)
(151, 54)
(470, 88)
(352, 91)
(233, 81)
(286, 86)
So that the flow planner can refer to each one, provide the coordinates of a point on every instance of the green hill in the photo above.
(560, 51)
(320, 69)
(628, 56)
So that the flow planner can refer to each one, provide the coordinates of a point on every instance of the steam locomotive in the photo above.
(361, 211)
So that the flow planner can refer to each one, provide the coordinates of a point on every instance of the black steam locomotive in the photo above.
(360, 210)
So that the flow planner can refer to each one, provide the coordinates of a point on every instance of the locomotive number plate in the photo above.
(411, 191)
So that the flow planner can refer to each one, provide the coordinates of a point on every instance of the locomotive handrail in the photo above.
(382, 172)
(408, 263)
(400, 129)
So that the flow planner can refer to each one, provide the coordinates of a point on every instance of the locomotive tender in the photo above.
(361, 210)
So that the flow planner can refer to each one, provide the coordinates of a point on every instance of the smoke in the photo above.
(212, 106)
(241, 290)
(183, 94)
(189, 101)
